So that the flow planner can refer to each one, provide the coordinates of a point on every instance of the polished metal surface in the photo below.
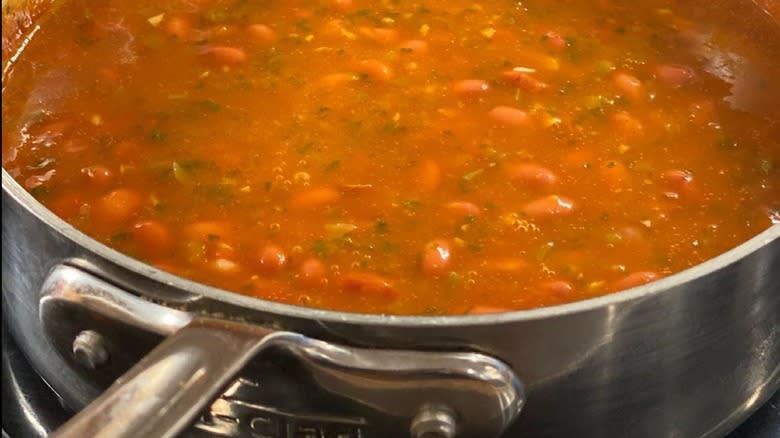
(691, 355)
(164, 392)
(434, 421)
(89, 349)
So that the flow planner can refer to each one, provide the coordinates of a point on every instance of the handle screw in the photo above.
(89, 349)
(433, 421)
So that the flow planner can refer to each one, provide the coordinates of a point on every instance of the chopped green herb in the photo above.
(209, 105)
(604, 67)
(411, 204)
(766, 166)
(212, 237)
(39, 191)
(160, 207)
(305, 148)
(454, 279)
(387, 246)
(613, 237)
(381, 226)
(474, 247)
(345, 241)
(121, 236)
(156, 135)
(471, 175)
(333, 165)
(544, 251)
(320, 248)
(216, 15)
(267, 186)
(728, 143)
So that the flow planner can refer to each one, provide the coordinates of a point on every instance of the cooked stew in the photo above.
(400, 157)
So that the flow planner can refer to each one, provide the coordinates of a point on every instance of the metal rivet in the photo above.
(433, 421)
(89, 349)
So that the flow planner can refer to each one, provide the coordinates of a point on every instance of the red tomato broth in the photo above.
(394, 158)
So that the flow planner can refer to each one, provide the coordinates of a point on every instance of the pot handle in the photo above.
(437, 394)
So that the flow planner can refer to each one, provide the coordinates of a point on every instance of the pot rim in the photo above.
(13, 189)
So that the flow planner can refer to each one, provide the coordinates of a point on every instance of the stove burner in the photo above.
(32, 409)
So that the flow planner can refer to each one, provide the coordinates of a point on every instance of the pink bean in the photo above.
(509, 116)
(414, 46)
(314, 198)
(555, 41)
(557, 287)
(531, 174)
(524, 81)
(677, 178)
(470, 87)
(312, 272)
(436, 258)
(261, 33)
(463, 209)
(681, 183)
(343, 5)
(628, 85)
(178, 27)
(380, 35)
(99, 175)
(272, 258)
(224, 55)
(482, 310)
(675, 75)
(628, 125)
(636, 279)
(374, 69)
(368, 284)
(335, 80)
(429, 175)
(549, 207)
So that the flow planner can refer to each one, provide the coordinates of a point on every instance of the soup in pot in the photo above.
(400, 157)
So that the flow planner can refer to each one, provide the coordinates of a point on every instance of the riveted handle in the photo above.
(435, 394)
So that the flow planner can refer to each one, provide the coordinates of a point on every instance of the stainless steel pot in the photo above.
(687, 356)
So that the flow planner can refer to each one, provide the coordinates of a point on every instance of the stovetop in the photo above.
(32, 410)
